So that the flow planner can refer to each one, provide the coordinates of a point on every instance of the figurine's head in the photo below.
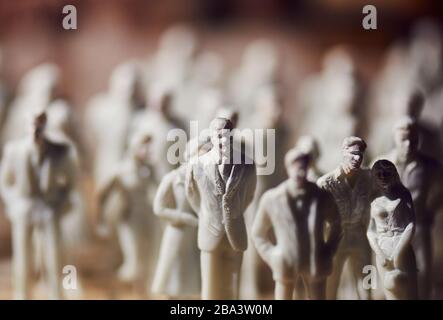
(309, 145)
(38, 126)
(220, 129)
(353, 152)
(141, 145)
(415, 104)
(297, 164)
(385, 174)
(228, 113)
(406, 137)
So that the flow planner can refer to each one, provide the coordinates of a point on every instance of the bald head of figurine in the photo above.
(220, 130)
(297, 164)
(406, 138)
(353, 151)
(385, 175)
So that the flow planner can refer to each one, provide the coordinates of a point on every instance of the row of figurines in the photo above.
(302, 230)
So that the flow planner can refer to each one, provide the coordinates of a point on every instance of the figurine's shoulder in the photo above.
(329, 179)
(274, 193)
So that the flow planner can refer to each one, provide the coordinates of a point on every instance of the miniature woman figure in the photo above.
(390, 233)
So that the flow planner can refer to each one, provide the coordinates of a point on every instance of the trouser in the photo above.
(315, 288)
(49, 235)
(220, 271)
(358, 258)
(422, 245)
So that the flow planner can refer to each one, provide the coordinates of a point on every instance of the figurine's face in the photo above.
(144, 152)
(384, 177)
(298, 171)
(406, 142)
(352, 158)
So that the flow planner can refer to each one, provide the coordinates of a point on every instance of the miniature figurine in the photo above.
(309, 145)
(36, 179)
(422, 176)
(390, 233)
(213, 189)
(298, 212)
(350, 185)
(178, 267)
(125, 205)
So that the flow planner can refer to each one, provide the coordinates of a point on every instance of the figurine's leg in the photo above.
(21, 259)
(334, 279)
(220, 273)
(358, 260)
(300, 289)
(128, 244)
(316, 288)
(284, 290)
(423, 252)
(52, 258)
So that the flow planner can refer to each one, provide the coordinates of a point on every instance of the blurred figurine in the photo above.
(390, 233)
(309, 145)
(178, 267)
(37, 90)
(298, 212)
(119, 106)
(3, 97)
(330, 95)
(258, 69)
(125, 205)
(350, 185)
(213, 187)
(422, 176)
(36, 179)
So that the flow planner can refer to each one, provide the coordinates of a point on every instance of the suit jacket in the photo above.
(220, 205)
(300, 246)
(24, 182)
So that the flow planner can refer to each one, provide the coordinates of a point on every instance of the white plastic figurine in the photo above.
(125, 204)
(350, 185)
(298, 212)
(390, 233)
(309, 145)
(178, 267)
(220, 186)
(422, 176)
(36, 179)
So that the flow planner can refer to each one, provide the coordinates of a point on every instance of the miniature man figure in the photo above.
(351, 188)
(298, 212)
(220, 186)
(36, 179)
(421, 175)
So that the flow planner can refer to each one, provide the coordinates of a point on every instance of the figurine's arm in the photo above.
(165, 204)
(372, 237)
(7, 175)
(260, 228)
(334, 221)
(191, 189)
(249, 193)
(114, 187)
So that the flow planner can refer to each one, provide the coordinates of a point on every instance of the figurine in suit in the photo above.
(36, 179)
(220, 185)
(298, 212)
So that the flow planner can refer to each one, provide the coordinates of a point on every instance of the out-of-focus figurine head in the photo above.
(228, 113)
(268, 107)
(385, 174)
(297, 164)
(41, 80)
(406, 137)
(415, 104)
(127, 81)
(353, 149)
(338, 60)
(261, 58)
(179, 41)
(141, 147)
(309, 145)
(220, 129)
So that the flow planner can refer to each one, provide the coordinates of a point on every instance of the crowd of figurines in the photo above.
(216, 229)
